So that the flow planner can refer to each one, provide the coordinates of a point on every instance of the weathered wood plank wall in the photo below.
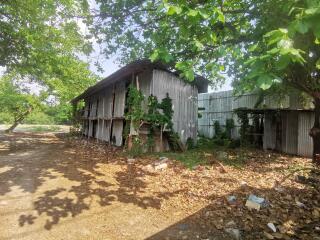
(184, 101)
(104, 116)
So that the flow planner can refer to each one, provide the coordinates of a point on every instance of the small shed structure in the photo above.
(287, 130)
(285, 122)
(103, 114)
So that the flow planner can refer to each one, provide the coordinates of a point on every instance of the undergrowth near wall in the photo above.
(157, 115)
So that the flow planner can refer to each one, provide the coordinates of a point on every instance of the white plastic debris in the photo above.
(161, 166)
(272, 227)
(300, 204)
(131, 160)
(232, 199)
(234, 233)
(163, 159)
(254, 202)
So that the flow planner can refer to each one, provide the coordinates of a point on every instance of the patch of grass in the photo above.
(238, 159)
(189, 158)
(205, 144)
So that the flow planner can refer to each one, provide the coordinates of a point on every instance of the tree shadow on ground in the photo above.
(215, 220)
(85, 184)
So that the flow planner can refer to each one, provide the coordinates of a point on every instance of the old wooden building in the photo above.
(103, 114)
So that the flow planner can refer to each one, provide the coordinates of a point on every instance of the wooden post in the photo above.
(161, 142)
(112, 112)
(103, 122)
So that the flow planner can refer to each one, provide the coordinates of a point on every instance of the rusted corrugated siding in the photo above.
(306, 120)
(184, 101)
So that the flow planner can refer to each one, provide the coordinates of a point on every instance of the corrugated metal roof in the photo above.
(136, 67)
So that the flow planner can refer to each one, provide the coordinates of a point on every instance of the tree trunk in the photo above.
(13, 126)
(18, 120)
(315, 132)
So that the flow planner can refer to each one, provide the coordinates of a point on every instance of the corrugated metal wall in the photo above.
(290, 132)
(306, 121)
(184, 101)
(293, 137)
(103, 118)
(220, 106)
(269, 140)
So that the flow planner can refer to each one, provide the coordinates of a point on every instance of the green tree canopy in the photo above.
(262, 44)
(40, 43)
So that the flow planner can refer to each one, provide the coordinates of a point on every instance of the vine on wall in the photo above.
(134, 102)
(244, 128)
(158, 116)
(250, 134)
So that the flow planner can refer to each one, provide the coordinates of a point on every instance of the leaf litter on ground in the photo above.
(203, 191)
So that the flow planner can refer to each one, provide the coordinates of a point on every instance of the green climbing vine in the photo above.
(158, 116)
(245, 127)
(134, 102)
(166, 106)
(229, 127)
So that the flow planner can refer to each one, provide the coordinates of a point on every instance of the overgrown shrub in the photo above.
(5, 118)
(217, 129)
(234, 143)
(218, 141)
(190, 143)
(226, 133)
(229, 127)
(154, 117)
(137, 148)
(245, 127)
(39, 118)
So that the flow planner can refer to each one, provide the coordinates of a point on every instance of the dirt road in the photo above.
(49, 191)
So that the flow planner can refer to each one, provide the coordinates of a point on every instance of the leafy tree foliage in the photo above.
(272, 45)
(40, 42)
(15, 102)
(35, 32)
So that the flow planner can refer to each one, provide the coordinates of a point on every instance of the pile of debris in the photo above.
(158, 165)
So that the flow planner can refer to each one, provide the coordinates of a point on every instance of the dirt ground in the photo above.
(52, 187)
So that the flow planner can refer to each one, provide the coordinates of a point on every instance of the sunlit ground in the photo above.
(55, 188)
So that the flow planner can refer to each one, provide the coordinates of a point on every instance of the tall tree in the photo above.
(40, 43)
(15, 101)
(262, 44)
(35, 31)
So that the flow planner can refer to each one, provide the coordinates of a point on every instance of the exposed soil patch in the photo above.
(55, 188)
